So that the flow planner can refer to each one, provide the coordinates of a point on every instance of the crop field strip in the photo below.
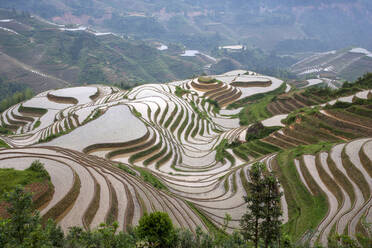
(178, 146)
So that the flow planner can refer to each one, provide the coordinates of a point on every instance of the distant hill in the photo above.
(204, 24)
(347, 64)
(44, 56)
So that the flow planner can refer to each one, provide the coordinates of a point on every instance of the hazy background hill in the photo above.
(286, 25)
(44, 56)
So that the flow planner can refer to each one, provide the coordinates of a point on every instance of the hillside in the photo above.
(175, 147)
(348, 64)
(43, 56)
(296, 26)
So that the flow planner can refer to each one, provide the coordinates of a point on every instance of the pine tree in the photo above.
(250, 222)
(262, 220)
(271, 223)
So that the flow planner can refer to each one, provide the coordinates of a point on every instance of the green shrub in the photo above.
(259, 131)
(126, 169)
(156, 228)
(150, 178)
(38, 167)
(179, 91)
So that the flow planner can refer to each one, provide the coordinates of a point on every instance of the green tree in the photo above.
(272, 222)
(262, 220)
(157, 228)
(23, 228)
(250, 222)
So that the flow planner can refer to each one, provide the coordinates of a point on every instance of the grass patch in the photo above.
(222, 154)
(257, 97)
(4, 144)
(147, 176)
(207, 80)
(10, 178)
(305, 210)
(312, 149)
(180, 92)
(254, 107)
(126, 168)
(37, 124)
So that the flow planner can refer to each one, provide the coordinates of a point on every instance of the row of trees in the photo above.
(260, 226)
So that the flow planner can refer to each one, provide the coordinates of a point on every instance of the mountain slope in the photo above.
(348, 64)
(205, 24)
(46, 56)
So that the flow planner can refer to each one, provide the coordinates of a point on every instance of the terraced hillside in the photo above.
(348, 64)
(175, 147)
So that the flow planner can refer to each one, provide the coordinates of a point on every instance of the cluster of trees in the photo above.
(260, 226)
(15, 98)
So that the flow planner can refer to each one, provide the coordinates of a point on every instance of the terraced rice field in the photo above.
(115, 155)
(331, 174)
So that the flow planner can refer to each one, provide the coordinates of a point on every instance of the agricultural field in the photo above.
(185, 148)
(347, 64)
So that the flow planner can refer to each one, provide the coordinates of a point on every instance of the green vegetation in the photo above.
(312, 149)
(84, 58)
(180, 92)
(305, 210)
(136, 113)
(37, 124)
(214, 103)
(201, 114)
(17, 97)
(221, 152)
(259, 131)
(37, 111)
(94, 115)
(3, 144)
(10, 178)
(126, 169)
(299, 114)
(54, 136)
(147, 176)
(364, 82)
(156, 228)
(261, 222)
(5, 130)
(208, 80)
(254, 107)
(24, 228)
